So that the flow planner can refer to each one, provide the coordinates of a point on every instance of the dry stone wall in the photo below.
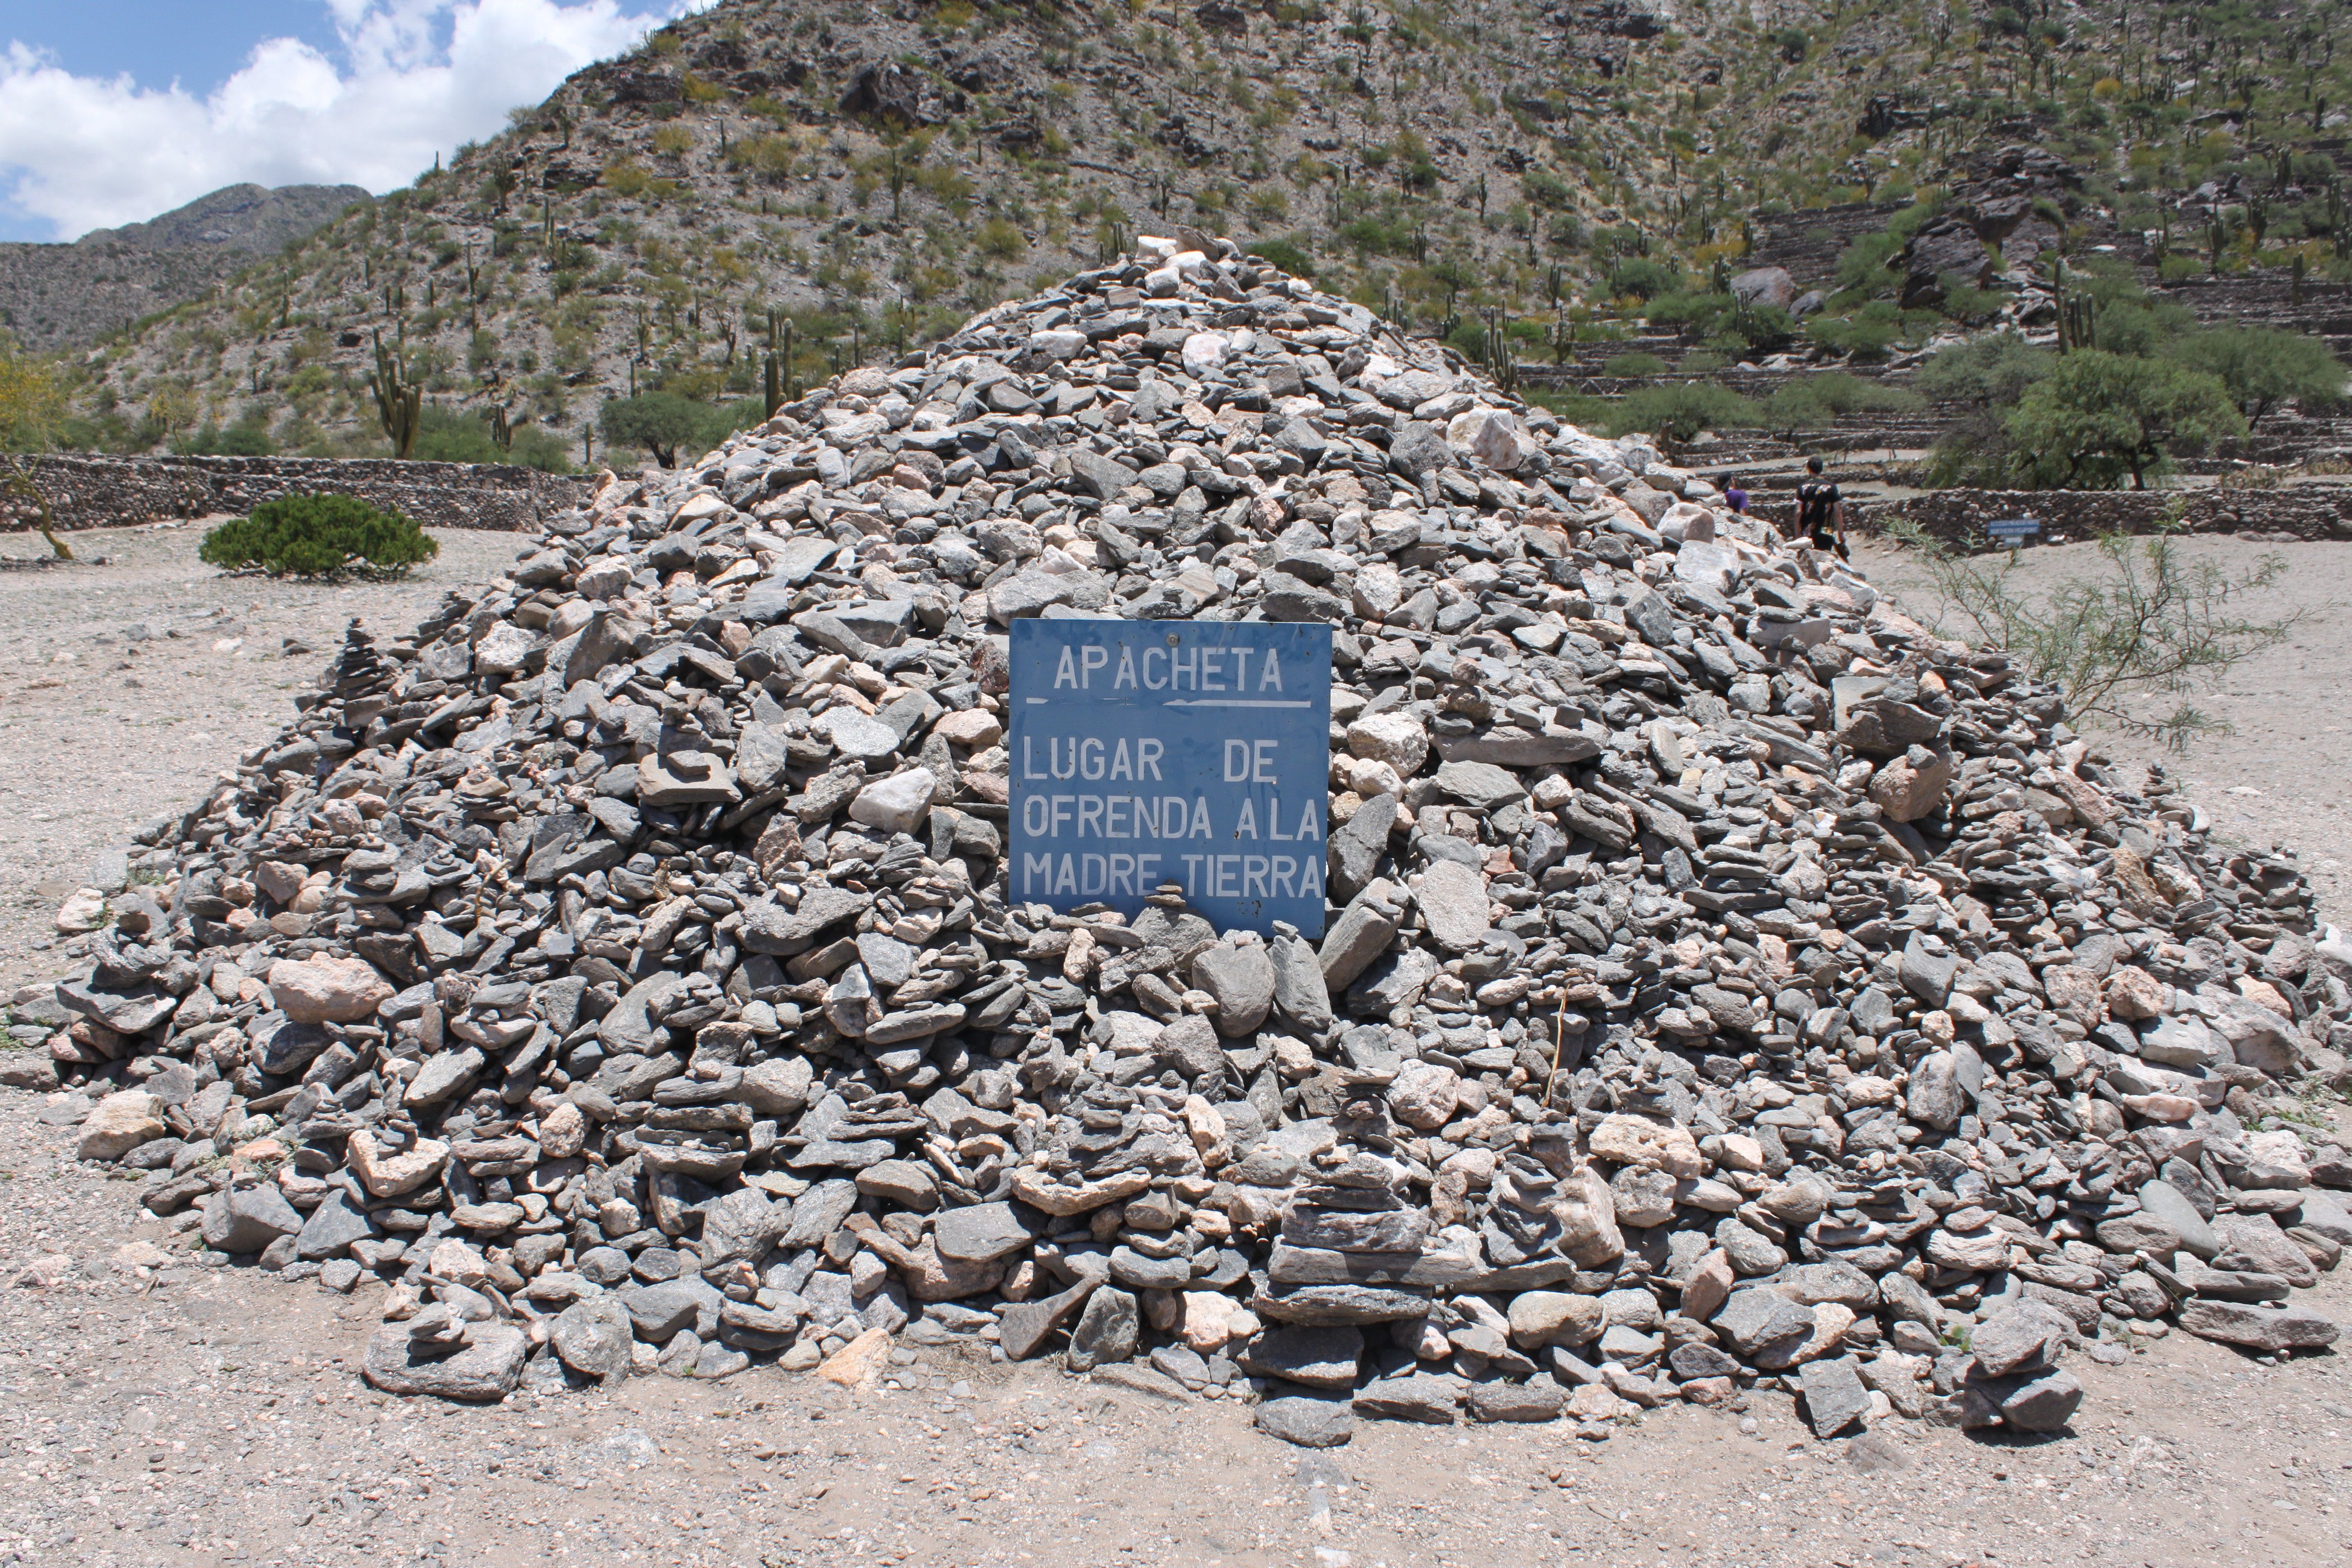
(1959, 516)
(114, 493)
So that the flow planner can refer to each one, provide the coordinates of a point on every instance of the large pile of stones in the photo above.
(1728, 983)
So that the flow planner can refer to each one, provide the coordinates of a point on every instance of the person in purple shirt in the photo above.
(1736, 499)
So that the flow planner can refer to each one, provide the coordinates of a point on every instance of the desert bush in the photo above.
(1823, 399)
(1634, 366)
(2149, 621)
(1641, 279)
(1284, 253)
(242, 439)
(999, 239)
(2262, 367)
(1678, 411)
(659, 422)
(326, 536)
(2098, 417)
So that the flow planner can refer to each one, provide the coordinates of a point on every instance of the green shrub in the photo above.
(1819, 400)
(444, 435)
(1680, 410)
(1865, 333)
(1633, 366)
(239, 440)
(1545, 190)
(2098, 417)
(1579, 409)
(1722, 321)
(1284, 253)
(1643, 278)
(2262, 367)
(318, 536)
(663, 423)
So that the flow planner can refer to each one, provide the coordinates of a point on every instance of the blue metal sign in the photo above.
(2014, 527)
(1196, 753)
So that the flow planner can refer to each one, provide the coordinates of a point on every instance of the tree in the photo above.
(1989, 375)
(660, 422)
(1678, 411)
(2097, 416)
(1990, 371)
(2263, 367)
(32, 401)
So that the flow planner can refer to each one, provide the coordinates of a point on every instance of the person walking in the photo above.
(1820, 511)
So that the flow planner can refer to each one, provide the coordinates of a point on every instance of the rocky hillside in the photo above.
(1507, 174)
(60, 297)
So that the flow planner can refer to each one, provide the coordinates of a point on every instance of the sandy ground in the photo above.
(169, 1415)
(104, 727)
(182, 1417)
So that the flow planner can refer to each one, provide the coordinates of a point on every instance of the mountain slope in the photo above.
(869, 177)
(57, 297)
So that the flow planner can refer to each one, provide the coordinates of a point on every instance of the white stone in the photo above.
(1490, 434)
(1395, 737)
(897, 804)
(1203, 351)
(84, 909)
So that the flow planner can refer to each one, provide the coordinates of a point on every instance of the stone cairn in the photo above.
(1728, 984)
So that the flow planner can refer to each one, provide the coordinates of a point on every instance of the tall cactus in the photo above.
(399, 404)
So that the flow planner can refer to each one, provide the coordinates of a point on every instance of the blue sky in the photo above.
(199, 42)
(114, 110)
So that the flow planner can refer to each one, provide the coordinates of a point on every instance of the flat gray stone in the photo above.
(331, 1227)
(2169, 1207)
(2044, 1402)
(1242, 981)
(593, 1337)
(1106, 1331)
(1760, 1319)
(982, 1232)
(1538, 1399)
(1323, 1357)
(1416, 1396)
(2018, 1337)
(2272, 1330)
(1327, 1305)
(1311, 1420)
(486, 1368)
(247, 1219)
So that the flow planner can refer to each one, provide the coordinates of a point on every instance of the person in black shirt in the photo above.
(1820, 511)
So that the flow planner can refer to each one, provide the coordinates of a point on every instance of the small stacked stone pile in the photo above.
(1728, 982)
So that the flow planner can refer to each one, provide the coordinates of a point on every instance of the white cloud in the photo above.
(418, 76)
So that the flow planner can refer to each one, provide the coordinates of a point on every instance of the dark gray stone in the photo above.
(1106, 1331)
(1317, 1357)
(485, 1368)
(1311, 1420)
(1834, 1396)
(593, 1337)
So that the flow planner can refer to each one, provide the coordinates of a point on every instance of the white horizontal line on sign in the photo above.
(1226, 702)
